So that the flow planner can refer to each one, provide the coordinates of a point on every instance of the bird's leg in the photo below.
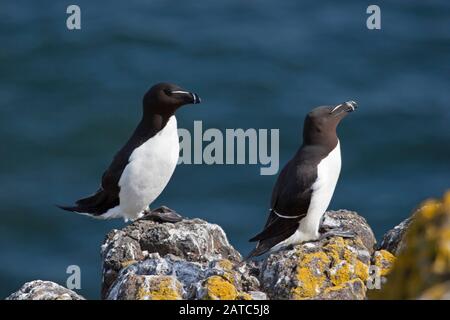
(337, 233)
(162, 214)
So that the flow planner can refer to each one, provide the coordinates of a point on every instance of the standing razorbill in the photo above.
(142, 168)
(306, 184)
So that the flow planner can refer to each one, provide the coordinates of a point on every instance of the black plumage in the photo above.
(293, 190)
(159, 104)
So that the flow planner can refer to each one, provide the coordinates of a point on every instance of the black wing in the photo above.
(291, 197)
(107, 196)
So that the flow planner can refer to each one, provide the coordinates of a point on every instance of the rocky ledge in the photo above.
(193, 259)
(43, 290)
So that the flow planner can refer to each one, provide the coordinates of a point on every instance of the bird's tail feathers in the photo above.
(91, 205)
(260, 249)
(68, 208)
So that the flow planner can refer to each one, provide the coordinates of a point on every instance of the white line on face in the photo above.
(179, 91)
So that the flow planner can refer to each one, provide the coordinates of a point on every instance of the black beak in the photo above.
(196, 98)
(188, 97)
(348, 106)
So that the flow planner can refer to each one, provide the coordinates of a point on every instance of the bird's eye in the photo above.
(168, 92)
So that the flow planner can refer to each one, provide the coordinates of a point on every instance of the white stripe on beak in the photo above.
(339, 105)
(351, 104)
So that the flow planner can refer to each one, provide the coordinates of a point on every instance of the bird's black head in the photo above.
(166, 98)
(321, 122)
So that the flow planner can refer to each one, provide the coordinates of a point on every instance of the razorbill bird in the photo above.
(142, 168)
(306, 184)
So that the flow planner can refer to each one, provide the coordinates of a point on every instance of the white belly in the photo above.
(328, 172)
(149, 170)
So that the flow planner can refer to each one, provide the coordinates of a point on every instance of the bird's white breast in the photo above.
(328, 171)
(149, 170)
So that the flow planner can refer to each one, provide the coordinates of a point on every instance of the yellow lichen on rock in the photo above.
(429, 209)
(310, 274)
(383, 260)
(340, 273)
(332, 264)
(361, 270)
(219, 288)
(438, 292)
(342, 286)
(226, 264)
(352, 289)
(226, 285)
(425, 261)
(227, 267)
(441, 263)
(334, 248)
(160, 288)
(345, 262)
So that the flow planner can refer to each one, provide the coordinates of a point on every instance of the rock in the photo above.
(422, 269)
(218, 288)
(43, 290)
(317, 270)
(190, 240)
(393, 239)
(439, 291)
(191, 259)
(257, 295)
(334, 268)
(354, 289)
(384, 261)
(350, 221)
(148, 287)
(172, 278)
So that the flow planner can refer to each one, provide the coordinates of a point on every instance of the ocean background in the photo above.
(70, 99)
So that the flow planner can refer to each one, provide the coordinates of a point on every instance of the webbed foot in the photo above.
(162, 214)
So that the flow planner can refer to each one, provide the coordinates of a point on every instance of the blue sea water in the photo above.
(69, 100)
